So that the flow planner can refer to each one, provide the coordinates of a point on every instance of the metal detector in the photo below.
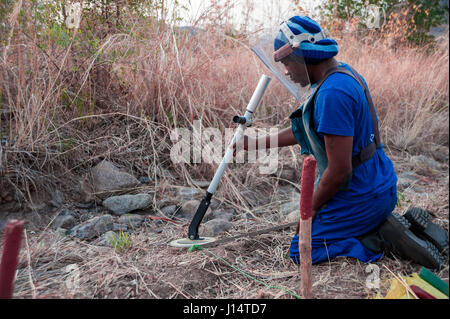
(243, 122)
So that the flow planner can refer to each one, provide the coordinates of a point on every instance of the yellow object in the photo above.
(399, 291)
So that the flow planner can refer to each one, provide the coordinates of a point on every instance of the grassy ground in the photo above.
(69, 100)
(149, 268)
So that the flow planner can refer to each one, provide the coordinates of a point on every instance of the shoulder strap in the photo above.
(367, 152)
(366, 92)
(371, 106)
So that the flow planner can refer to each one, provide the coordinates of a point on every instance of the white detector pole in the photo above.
(245, 120)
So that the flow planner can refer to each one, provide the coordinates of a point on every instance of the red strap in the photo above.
(162, 218)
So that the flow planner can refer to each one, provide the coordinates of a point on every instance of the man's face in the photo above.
(296, 71)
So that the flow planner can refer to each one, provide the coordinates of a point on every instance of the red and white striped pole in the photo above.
(10, 257)
(304, 243)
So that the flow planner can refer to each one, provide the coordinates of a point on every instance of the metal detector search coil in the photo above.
(187, 243)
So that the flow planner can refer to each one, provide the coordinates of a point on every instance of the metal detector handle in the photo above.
(228, 158)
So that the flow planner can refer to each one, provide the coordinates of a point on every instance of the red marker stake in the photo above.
(304, 243)
(10, 257)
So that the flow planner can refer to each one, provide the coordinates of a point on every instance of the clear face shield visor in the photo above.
(286, 65)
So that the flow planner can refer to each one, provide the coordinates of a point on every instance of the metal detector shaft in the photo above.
(243, 123)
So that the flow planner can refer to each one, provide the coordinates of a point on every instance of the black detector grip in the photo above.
(239, 119)
(198, 217)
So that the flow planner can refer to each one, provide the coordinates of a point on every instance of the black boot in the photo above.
(405, 244)
(422, 226)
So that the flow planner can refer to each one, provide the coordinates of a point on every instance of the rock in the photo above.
(145, 180)
(61, 232)
(123, 204)
(107, 178)
(287, 192)
(93, 227)
(107, 239)
(415, 192)
(214, 227)
(64, 221)
(74, 213)
(85, 217)
(132, 220)
(440, 153)
(164, 173)
(403, 183)
(289, 174)
(189, 208)
(406, 180)
(84, 191)
(215, 203)
(167, 201)
(57, 199)
(409, 175)
(293, 216)
(38, 207)
(110, 235)
(85, 205)
(201, 184)
(292, 196)
(120, 227)
(430, 162)
(187, 193)
(226, 214)
(170, 210)
(288, 207)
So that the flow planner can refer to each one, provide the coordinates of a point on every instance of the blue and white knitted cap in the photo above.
(312, 53)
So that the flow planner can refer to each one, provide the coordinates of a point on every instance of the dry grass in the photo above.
(410, 91)
(67, 106)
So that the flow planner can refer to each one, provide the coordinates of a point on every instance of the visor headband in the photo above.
(295, 40)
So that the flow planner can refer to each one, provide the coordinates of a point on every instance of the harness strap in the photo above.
(367, 152)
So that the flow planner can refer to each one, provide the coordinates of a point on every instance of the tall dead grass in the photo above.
(66, 105)
(410, 91)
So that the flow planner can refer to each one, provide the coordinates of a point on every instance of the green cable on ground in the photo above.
(434, 280)
(198, 247)
(194, 248)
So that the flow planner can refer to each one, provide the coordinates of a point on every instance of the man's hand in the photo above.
(284, 138)
(246, 141)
